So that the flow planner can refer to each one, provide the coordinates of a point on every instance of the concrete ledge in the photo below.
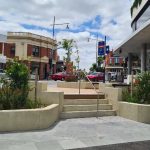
(137, 112)
(28, 119)
(83, 85)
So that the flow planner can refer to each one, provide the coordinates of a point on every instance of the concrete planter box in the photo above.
(28, 119)
(137, 112)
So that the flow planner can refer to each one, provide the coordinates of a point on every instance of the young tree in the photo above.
(100, 60)
(68, 45)
(93, 68)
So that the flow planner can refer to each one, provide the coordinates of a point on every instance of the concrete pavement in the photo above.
(71, 90)
(78, 133)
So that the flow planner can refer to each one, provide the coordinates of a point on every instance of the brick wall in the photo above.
(7, 49)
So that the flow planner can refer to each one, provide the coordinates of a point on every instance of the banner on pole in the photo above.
(107, 49)
(101, 46)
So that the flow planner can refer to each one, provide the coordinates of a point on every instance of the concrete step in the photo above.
(84, 96)
(67, 108)
(84, 114)
(84, 101)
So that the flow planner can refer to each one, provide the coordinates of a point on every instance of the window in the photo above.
(12, 50)
(36, 51)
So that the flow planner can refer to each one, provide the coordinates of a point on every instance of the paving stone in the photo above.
(78, 133)
(53, 145)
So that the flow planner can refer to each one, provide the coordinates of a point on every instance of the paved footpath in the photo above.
(79, 133)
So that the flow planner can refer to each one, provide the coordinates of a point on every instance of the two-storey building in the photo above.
(35, 50)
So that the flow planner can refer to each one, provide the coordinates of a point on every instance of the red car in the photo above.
(96, 76)
(58, 76)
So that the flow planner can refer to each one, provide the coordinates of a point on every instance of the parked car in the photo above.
(96, 76)
(58, 76)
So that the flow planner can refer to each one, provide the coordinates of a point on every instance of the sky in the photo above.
(86, 18)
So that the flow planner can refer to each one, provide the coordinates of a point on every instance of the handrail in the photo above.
(94, 90)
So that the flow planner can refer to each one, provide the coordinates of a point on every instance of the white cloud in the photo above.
(13, 13)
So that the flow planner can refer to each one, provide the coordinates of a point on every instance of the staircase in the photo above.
(86, 105)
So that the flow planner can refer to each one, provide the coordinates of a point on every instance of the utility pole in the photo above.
(104, 58)
(96, 39)
(53, 25)
(96, 50)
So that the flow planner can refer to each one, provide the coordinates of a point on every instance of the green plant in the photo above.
(96, 68)
(68, 45)
(136, 3)
(14, 92)
(143, 87)
(100, 60)
(141, 91)
(71, 78)
(126, 96)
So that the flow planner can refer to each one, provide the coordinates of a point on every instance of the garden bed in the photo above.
(28, 119)
(133, 111)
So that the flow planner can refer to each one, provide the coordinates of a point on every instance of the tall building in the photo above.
(35, 51)
(136, 48)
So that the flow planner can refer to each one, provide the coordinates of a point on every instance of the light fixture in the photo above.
(67, 27)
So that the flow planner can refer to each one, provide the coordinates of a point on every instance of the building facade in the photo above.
(114, 63)
(34, 50)
(138, 44)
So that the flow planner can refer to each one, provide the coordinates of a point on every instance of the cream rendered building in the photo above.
(35, 50)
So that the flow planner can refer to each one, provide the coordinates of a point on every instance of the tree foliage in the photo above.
(141, 91)
(68, 45)
(136, 3)
(14, 92)
(100, 60)
(96, 68)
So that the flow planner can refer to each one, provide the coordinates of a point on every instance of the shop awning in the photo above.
(134, 42)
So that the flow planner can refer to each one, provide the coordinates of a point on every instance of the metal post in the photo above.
(97, 105)
(131, 83)
(96, 48)
(54, 28)
(36, 79)
(79, 82)
(104, 59)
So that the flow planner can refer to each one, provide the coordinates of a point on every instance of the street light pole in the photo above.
(54, 28)
(54, 24)
(54, 38)
(96, 49)
(104, 58)
(96, 39)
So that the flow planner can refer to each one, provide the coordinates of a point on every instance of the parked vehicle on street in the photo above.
(96, 76)
(58, 76)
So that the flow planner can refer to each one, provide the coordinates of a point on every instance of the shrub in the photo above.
(14, 92)
(141, 90)
(128, 98)
(71, 78)
(143, 87)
